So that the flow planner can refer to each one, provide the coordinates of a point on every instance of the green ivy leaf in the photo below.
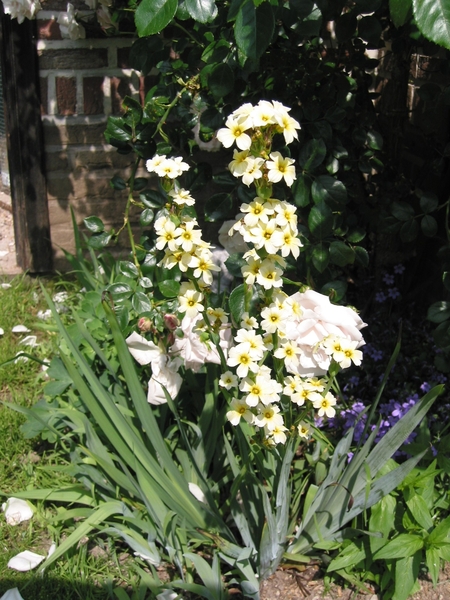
(254, 29)
(153, 15)
(320, 220)
(94, 224)
(433, 20)
(341, 254)
(221, 80)
(202, 11)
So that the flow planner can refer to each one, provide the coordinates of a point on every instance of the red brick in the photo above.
(120, 87)
(48, 29)
(66, 95)
(93, 95)
(43, 91)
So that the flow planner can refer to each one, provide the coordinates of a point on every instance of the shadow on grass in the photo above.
(48, 587)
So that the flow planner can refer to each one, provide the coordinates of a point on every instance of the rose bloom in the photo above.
(319, 320)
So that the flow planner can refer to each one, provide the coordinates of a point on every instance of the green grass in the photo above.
(94, 569)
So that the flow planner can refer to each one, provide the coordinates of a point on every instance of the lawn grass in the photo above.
(94, 569)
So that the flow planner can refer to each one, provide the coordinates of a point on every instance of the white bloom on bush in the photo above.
(16, 510)
(195, 351)
(182, 197)
(166, 167)
(163, 377)
(281, 168)
(325, 405)
(21, 9)
(318, 321)
(143, 350)
(228, 380)
(235, 132)
(239, 410)
(68, 25)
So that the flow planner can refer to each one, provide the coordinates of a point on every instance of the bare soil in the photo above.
(309, 585)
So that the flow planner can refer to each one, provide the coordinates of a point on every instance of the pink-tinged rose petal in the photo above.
(16, 511)
(12, 594)
(25, 561)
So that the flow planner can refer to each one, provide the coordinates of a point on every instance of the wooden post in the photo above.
(25, 144)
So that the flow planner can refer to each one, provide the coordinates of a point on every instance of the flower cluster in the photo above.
(21, 9)
(252, 128)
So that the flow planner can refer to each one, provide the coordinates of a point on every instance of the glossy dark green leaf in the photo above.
(120, 291)
(320, 257)
(361, 256)
(117, 129)
(439, 312)
(409, 231)
(335, 290)
(169, 288)
(254, 29)
(433, 20)
(128, 269)
(401, 11)
(320, 220)
(328, 189)
(237, 302)
(374, 140)
(146, 217)
(117, 183)
(221, 80)
(99, 240)
(303, 8)
(429, 202)
(218, 207)
(402, 210)
(94, 224)
(133, 110)
(234, 263)
(312, 154)
(429, 226)
(202, 11)
(152, 16)
(341, 254)
(141, 303)
(145, 53)
(301, 190)
(153, 199)
(345, 26)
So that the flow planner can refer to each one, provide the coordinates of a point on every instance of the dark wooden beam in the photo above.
(25, 144)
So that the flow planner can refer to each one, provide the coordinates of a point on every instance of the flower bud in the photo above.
(171, 322)
(144, 324)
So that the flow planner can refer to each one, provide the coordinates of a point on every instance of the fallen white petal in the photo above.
(20, 329)
(25, 561)
(51, 549)
(1, 333)
(61, 297)
(29, 340)
(5, 286)
(16, 510)
(166, 595)
(197, 492)
(44, 314)
(12, 594)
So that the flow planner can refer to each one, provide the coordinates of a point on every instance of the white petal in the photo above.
(12, 594)
(25, 561)
(50, 550)
(61, 297)
(166, 595)
(20, 329)
(197, 492)
(29, 340)
(6, 286)
(142, 350)
(1, 331)
(44, 314)
(16, 511)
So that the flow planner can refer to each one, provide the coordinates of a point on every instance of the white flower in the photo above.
(234, 131)
(21, 9)
(45, 315)
(239, 409)
(163, 377)
(5, 286)
(281, 168)
(325, 405)
(29, 340)
(16, 510)
(144, 351)
(228, 380)
(2, 331)
(181, 197)
(68, 25)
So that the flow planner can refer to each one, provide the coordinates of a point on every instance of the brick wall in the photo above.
(81, 83)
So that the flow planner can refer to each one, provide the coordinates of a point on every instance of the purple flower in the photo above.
(388, 279)
(399, 269)
(393, 293)
(380, 297)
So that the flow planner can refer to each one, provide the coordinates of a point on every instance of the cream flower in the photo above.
(182, 197)
(281, 168)
(234, 132)
(325, 405)
(238, 411)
